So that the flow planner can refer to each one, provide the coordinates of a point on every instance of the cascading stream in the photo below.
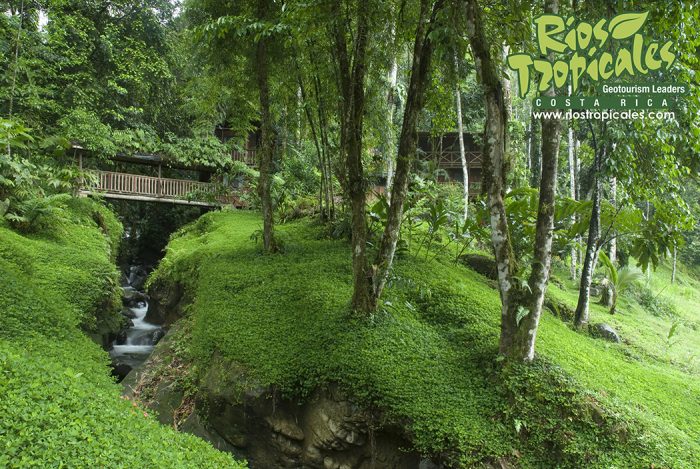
(135, 343)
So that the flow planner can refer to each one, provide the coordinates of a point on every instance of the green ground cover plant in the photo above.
(59, 406)
(428, 357)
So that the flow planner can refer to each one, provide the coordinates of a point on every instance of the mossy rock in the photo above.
(559, 309)
(481, 264)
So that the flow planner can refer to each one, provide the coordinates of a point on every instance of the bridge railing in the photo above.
(248, 157)
(452, 159)
(154, 187)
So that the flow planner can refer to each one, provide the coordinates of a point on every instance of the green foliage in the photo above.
(17, 175)
(59, 405)
(426, 359)
(29, 175)
(652, 301)
(548, 409)
(620, 280)
(85, 128)
(32, 215)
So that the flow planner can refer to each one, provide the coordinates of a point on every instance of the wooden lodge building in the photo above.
(443, 151)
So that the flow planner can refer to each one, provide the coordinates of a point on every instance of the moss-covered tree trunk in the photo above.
(544, 229)
(535, 155)
(521, 308)
(415, 100)
(494, 168)
(267, 135)
(351, 75)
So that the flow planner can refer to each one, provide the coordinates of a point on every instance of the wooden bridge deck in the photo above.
(127, 186)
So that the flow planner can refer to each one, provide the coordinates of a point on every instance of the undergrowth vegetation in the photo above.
(59, 406)
(428, 358)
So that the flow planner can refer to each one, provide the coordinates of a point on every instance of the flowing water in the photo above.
(136, 343)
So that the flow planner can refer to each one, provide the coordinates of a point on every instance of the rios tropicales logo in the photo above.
(600, 52)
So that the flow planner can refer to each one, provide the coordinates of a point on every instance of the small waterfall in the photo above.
(135, 343)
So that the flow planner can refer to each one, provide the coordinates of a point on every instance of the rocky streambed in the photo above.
(135, 342)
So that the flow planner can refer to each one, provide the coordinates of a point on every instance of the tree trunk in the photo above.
(577, 196)
(389, 136)
(520, 307)
(324, 210)
(572, 191)
(494, 173)
(529, 146)
(415, 100)
(606, 294)
(541, 265)
(352, 85)
(267, 137)
(589, 262)
(325, 149)
(522, 345)
(613, 240)
(16, 65)
(535, 155)
(462, 155)
(675, 259)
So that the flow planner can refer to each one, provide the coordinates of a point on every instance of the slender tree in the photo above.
(351, 68)
(592, 244)
(267, 140)
(392, 98)
(572, 157)
(415, 101)
(521, 305)
(612, 253)
(462, 153)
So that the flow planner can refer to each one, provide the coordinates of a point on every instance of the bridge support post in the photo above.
(160, 180)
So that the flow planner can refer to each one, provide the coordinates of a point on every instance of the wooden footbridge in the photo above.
(204, 192)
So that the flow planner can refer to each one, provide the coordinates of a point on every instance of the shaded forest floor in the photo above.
(428, 358)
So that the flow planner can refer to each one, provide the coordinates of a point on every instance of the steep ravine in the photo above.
(326, 430)
(59, 309)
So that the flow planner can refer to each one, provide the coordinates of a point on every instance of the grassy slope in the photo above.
(58, 404)
(430, 360)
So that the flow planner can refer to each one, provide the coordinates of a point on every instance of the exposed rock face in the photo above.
(121, 337)
(133, 299)
(137, 276)
(120, 370)
(165, 305)
(325, 431)
(604, 331)
(157, 335)
(128, 313)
